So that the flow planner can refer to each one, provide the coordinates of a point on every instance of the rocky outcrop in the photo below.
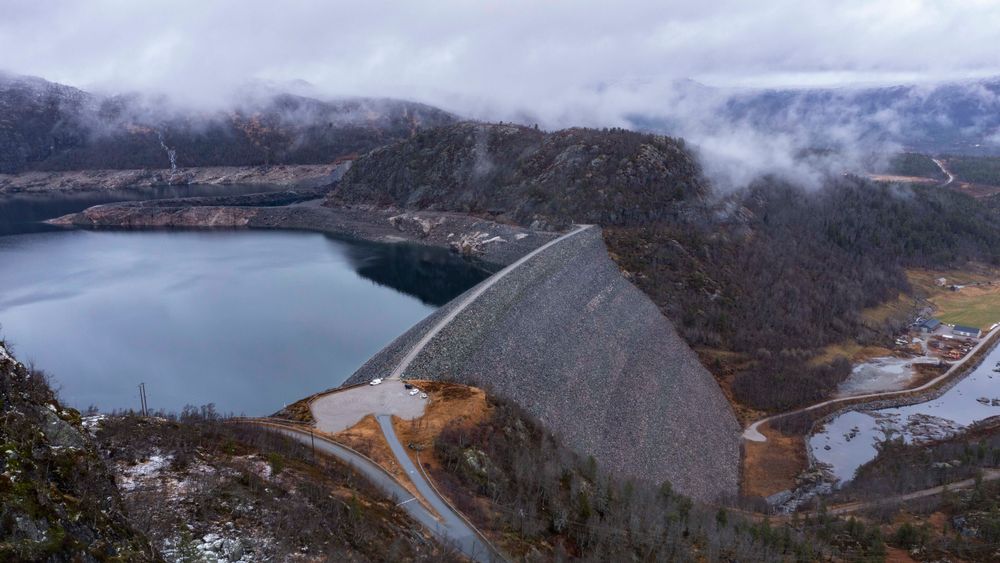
(566, 337)
(523, 175)
(58, 502)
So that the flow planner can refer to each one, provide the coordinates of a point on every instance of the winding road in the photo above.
(940, 164)
(451, 529)
(753, 434)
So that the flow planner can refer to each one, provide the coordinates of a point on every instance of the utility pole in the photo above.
(142, 399)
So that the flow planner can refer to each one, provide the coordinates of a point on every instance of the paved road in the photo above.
(454, 525)
(378, 476)
(751, 433)
(940, 164)
(451, 529)
(470, 298)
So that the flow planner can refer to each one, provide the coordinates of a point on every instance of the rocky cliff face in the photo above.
(528, 176)
(57, 500)
(47, 126)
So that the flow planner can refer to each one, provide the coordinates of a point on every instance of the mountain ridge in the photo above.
(46, 126)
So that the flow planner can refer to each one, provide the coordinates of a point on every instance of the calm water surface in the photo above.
(248, 320)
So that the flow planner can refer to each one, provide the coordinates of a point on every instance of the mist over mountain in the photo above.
(801, 135)
(959, 117)
(805, 135)
(49, 126)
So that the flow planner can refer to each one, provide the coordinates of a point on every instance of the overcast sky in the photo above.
(493, 58)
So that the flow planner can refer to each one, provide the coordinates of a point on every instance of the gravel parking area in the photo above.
(341, 410)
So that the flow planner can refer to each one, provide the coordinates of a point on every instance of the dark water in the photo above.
(248, 320)
(24, 213)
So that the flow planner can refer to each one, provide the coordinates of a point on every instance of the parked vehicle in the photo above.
(414, 391)
(376, 381)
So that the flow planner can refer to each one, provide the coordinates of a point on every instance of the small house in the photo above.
(971, 332)
(930, 325)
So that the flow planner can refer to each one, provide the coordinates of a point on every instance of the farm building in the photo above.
(962, 330)
(930, 325)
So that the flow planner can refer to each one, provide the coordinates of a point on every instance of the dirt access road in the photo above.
(848, 508)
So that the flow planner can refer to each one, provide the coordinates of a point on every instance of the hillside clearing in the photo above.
(977, 306)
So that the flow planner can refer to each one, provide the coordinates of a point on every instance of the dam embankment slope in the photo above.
(578, 346)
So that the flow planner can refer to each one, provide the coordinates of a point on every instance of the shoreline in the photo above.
(923, 393)
(492, 243)
(934, 391)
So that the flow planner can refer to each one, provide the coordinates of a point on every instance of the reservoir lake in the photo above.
(248, 320)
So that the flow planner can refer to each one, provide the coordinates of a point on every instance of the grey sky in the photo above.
(493, 58)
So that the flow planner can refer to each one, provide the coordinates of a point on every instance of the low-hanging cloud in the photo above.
(557, 63)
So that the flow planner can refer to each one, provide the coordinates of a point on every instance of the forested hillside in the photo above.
(545, 502)
(788, 271)
(976, 170)
(759, 281)
(914, 164)
(47, 126)
(520, 174)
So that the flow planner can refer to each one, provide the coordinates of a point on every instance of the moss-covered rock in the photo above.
(57, 500)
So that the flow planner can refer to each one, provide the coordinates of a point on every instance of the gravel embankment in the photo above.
(585, 351)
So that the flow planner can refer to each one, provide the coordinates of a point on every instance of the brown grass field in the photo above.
(770, 467)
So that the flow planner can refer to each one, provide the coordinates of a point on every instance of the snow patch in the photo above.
(141, 471)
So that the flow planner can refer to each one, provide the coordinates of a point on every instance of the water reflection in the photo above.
(429, 274)
(249, 320)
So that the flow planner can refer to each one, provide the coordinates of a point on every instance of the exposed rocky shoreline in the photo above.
(490, 242)
(101, 180)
